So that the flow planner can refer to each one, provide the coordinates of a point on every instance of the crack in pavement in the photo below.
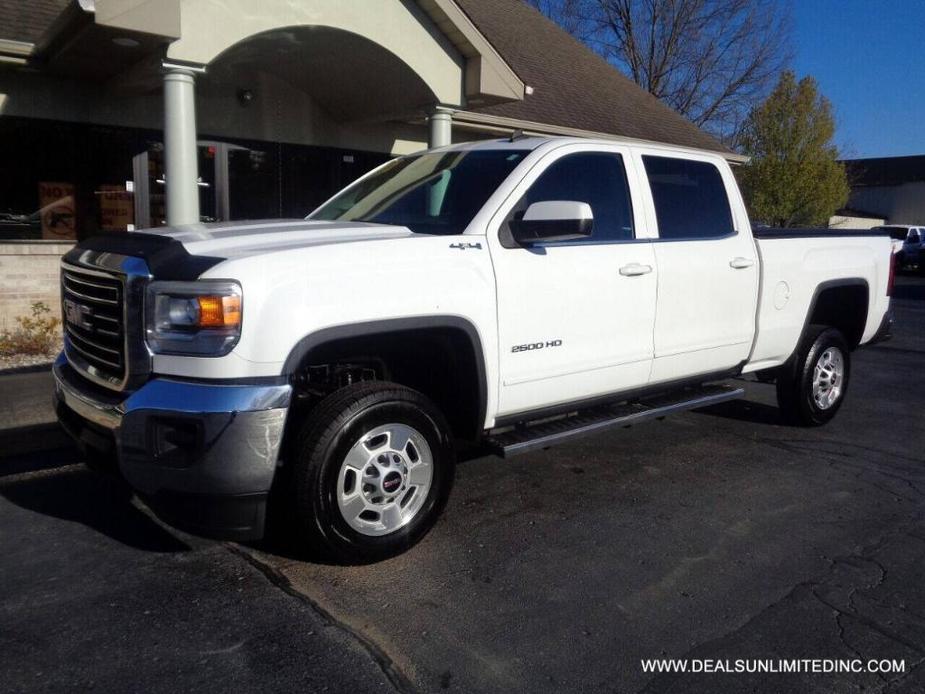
(399, 680)
(840, 459)
(816, 589)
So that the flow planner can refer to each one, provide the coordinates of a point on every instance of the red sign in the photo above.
(56, 206)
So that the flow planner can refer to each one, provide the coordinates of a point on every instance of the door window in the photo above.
(690, 198)
(596, 178)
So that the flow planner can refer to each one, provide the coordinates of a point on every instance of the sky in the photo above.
(868, 57)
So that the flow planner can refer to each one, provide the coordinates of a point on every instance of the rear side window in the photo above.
(690, 198)
(597, 178)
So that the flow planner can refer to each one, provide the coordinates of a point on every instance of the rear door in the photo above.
(575, 318)
(707, 266)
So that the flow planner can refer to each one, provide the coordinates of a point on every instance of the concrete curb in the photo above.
(32, 368)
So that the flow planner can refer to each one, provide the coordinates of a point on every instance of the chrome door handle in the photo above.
(635, 269)
(741, 263)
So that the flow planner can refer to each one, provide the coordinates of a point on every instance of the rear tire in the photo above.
(373, 467)
(812, 385)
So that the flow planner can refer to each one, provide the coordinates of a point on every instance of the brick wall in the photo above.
(28, 273)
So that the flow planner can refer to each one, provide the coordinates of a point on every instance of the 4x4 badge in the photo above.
(464, 246)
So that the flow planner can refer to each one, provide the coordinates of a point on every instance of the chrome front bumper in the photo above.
(185, 446)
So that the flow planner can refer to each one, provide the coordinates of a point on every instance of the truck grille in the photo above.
(93, 310)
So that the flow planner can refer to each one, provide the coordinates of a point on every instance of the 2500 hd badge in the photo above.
(536, 345)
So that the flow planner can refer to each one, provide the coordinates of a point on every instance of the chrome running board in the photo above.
(524, 438)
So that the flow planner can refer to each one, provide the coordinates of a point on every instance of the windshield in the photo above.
(437, 193)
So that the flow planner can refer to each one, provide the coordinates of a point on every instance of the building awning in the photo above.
(99, 39)
(519, 69)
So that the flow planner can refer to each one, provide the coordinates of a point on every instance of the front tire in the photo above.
(812, 385)
(373, 467)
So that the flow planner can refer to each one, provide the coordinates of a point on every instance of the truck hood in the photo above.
(237, 239)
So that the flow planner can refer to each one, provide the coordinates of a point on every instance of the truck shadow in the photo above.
(75, 494)
(282, 540)
(744, 411)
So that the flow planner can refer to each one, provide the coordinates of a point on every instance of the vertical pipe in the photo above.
(180, 156)
(222, 182)
(142, 192)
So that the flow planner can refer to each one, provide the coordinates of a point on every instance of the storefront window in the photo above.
(69, 181)
(63, 181)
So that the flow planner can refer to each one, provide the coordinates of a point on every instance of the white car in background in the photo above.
(907, 244)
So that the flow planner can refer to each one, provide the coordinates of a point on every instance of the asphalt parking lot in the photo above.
(717, 534)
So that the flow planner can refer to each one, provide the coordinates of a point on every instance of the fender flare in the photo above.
(823, 287)
(392, 325)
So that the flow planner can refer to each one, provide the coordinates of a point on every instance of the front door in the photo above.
(575, 318)
(707, 268)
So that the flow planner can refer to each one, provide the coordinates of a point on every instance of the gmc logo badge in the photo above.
(78, 314)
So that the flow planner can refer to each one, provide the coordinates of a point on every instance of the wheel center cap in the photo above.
(391, 482)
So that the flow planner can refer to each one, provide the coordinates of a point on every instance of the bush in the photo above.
(35, 335)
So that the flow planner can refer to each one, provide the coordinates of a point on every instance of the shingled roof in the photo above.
(573, 86)
(27, 20)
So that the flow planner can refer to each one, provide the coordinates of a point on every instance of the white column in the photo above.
(440, 127)
(181, 169)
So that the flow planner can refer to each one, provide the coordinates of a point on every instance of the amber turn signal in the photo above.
(219, 311)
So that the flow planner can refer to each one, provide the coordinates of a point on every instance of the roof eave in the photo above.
(488, 77)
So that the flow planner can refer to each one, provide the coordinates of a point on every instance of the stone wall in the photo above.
(28, 273)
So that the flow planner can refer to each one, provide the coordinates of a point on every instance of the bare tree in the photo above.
(571, 15)
(711, 60)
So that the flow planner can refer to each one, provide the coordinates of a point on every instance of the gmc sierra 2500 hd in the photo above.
(513, 293)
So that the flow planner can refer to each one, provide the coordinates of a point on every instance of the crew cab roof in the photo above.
(534, 142)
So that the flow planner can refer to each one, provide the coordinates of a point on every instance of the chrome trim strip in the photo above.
(167, 395)
(85, 368)
(87, 341)
(106, 415)
(183, 397)
(74, 278)
(89, 355)
(87, 297)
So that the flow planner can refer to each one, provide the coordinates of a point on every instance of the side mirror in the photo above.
(553, 220)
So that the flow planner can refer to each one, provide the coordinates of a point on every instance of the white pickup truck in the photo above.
(511, 294)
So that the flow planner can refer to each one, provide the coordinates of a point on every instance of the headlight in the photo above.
(197, 318)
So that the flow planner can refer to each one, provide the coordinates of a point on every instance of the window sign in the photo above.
(117, 208)
(56, 203)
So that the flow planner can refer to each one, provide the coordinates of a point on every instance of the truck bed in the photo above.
(800, 265)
